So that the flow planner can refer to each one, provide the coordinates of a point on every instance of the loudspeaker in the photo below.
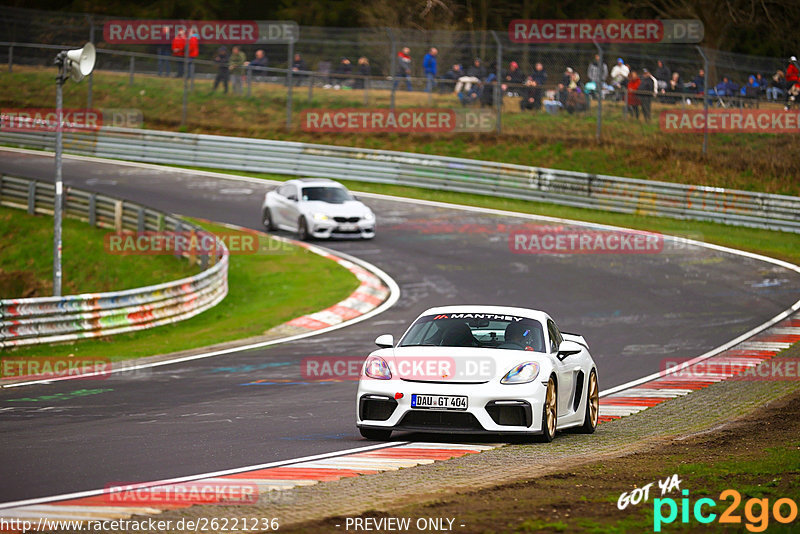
(80, 62)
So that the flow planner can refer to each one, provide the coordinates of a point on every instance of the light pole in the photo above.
(76, 64)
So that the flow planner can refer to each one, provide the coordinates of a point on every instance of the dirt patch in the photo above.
(21, 284)
(758, 455)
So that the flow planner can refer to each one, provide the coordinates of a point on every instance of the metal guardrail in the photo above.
(595, 191)
(30, 321)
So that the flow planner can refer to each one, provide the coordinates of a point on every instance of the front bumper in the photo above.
(330, 229)
(492, 408)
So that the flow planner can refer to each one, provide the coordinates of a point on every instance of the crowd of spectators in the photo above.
(477, 84)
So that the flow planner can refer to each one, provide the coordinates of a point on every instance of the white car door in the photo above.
(566, 370)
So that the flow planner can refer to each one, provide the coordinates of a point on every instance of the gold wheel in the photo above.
(594, 399)
(550, 407)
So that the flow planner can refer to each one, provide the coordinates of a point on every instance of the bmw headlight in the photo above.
(376, 367)
(320, 217)
(521, 374)
(369, 216)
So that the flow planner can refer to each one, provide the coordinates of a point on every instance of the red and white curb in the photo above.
(107, 505)
(370, 294)
(684, 379)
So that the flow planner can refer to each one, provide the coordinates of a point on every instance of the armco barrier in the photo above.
(50, 319)
(611, 193)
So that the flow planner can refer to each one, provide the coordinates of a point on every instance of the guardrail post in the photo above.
(140, 220)
(393, 64)
(118, 216)
(92, 209)
(10, 58)
(160, 222)
(705, 99)
(32, 197)
(290, 83)
(91, 74)
(132, 66)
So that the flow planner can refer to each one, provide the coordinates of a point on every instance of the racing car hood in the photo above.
(454, 364)
(350, 208)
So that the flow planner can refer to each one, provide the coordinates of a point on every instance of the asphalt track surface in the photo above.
(254, 407)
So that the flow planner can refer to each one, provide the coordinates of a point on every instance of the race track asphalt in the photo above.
(253, 407)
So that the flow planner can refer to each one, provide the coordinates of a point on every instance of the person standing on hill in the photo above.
(237, 61)
(430, 67)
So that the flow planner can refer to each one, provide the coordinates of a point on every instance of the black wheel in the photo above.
(549, 412)
(376, 434)
(302, 229)
(592, 405)
(267, 220)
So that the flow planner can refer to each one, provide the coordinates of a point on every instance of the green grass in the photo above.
(264, 290)
(780, 245)
(26, 259)
(759, 162)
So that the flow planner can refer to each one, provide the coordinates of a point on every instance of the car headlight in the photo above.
(369, 216)
(320, 217)
(376, 367)
(521, 374)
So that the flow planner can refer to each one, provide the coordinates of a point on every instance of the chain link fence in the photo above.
(364, 64)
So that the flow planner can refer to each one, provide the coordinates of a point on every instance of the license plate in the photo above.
(348, 227)
(439, 402)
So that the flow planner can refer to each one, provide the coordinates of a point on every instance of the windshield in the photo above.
(487, 330)
(332, 195)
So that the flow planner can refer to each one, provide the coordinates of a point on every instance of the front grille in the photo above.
(430, 419)
(376, 409)
(518, 414)
(346, 219)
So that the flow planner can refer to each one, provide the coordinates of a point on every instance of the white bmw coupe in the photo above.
(479, 370)
(317, 208)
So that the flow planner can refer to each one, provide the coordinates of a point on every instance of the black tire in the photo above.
(592, 405)
(549, 409)
(266, 218)
(302, 230)
(375, 434)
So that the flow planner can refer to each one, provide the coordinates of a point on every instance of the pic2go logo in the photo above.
(756, 511)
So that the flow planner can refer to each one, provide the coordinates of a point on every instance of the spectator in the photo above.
(647, 90)
(163, 50)
(179, 50)
(698, 83)
(259, 64)
(597, 71)
(633, 102)
(468, 96)
(299, 69)
(237, 61)
(561, 94)
(475, 74)
(662, 76)
(487, 97)
(674, 88)
(194, 49)
(540, 77)
(619, 77)
(751, 90)
(343, 73)
(792, 82)
(223, 69)
(430, 68)
(574, 81)
(566, 78)
(762, 84)
(528, 93)
(451, 77)
(513, 79)
(576, 99)
(776, 86)
(726, 88)
(403, 68)
(364, 72)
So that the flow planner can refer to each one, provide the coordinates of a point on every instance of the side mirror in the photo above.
(386, 341)
(568, 348)
(292, 198)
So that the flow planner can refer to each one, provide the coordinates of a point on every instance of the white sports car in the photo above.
(318, 208)
(479, 369)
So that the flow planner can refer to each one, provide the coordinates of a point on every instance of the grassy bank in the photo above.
(264, 290)
(26, 259)
(759, 162)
